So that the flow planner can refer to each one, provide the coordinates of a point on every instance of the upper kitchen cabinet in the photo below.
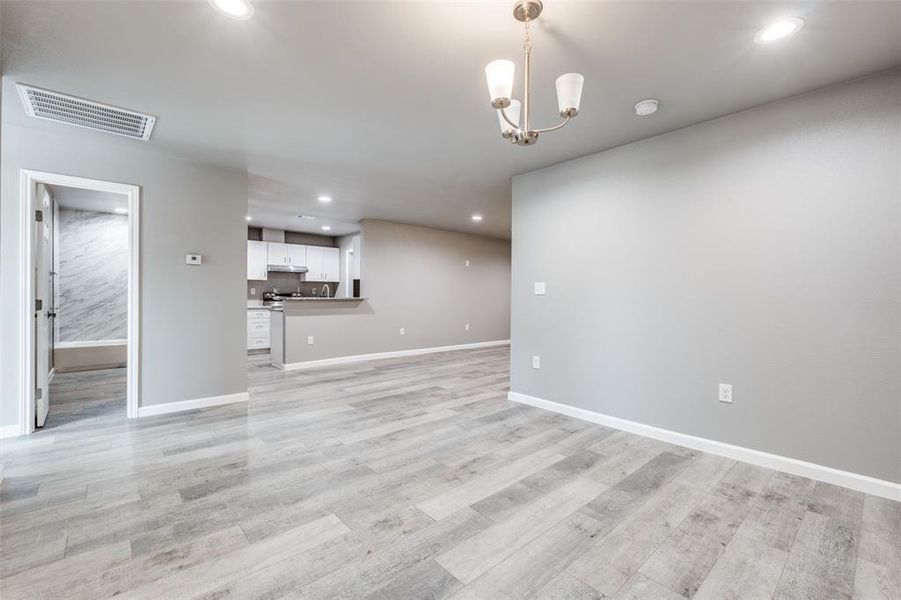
(331, 264)
(297, 255)
(278, 254)
(257, 257)
(323, 263)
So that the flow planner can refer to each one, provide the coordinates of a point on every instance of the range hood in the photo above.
(286, 269)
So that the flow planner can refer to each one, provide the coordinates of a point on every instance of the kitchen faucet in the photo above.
(326, 292)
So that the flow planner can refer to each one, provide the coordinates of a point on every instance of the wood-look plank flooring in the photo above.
(410, 478)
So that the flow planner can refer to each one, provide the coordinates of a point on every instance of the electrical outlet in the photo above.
(536, 362)
(253, 291)
(467, 327)
(539, 288)
(726, 393)
(310, 340)
(467, 263)
(403, 331)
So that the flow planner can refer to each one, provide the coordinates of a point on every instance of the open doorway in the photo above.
(80, 292)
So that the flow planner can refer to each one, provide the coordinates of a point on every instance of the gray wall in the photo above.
(92, 300)
(193, 322)
(762, 249)
(415, 278)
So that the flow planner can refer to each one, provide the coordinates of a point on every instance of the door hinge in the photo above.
(38, 304)
(39, 394)
(39, 216)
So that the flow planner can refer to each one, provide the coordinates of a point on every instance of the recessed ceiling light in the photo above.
(325, 199)
(647, 107)
(476, 217)
(121, 211)
(778, 30)
(326, 228)
(249, 218)
(236, 9)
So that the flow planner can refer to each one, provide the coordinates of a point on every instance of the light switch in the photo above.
(193, 259)
(539, 288)
(467, 263)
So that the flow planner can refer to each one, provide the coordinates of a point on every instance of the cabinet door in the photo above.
(331, 264)
(314, 263)
(257, 255)
(278, 253)
(297, 255)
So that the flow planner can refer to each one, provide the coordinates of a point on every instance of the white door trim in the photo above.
(29, 180)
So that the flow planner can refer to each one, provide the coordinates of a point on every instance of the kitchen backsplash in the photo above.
(285, 283)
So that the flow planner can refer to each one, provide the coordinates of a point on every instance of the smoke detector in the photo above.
(647, 107)
(71, 110)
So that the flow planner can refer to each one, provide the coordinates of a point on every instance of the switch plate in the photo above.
(310, 340)
(253, 291)
(536, 362)
(539, 288)
(467, 263)
(467, 327)
(193, 259)
(403, 331)
(726, 393)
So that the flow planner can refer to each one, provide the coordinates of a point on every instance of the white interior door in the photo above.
(43, 327)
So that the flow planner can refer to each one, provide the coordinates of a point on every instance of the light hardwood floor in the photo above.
(410, 478)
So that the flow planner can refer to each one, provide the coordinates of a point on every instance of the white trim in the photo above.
(90, 344)
(10, 431)
(28, 182)
(854, 481)
(312, 364)
(173, 407)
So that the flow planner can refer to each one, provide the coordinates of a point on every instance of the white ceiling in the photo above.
(80, 199)
(383, 105)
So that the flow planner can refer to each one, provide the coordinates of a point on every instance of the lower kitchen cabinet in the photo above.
(257, 329)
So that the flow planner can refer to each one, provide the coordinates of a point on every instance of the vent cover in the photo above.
(62, 108)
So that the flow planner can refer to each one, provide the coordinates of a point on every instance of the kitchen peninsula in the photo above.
(308, 330)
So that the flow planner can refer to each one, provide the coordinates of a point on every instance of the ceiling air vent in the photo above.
(62, 108)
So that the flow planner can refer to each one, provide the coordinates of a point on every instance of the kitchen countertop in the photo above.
(320, 298)
(258, 304)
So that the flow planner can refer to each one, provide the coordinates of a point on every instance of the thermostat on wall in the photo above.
(193, 259)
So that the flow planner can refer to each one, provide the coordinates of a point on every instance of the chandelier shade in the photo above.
(512, 112)
(499, 74)
(569, 93)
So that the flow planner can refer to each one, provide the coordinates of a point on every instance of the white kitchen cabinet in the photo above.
(323, 263)
(314, 263)
(297, 255)
(277, 253)
(257, 329)
(331, 264)
(257, 256)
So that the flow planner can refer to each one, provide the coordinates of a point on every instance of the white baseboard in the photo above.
(312, 364)
(9, 431)
(90, 344)
(172, 407)
(854, 481)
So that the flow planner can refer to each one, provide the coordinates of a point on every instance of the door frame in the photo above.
(29, 180)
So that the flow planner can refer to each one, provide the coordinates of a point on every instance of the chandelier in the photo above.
(500, 85)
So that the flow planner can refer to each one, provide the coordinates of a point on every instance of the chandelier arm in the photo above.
(507, 119)
(554, 128)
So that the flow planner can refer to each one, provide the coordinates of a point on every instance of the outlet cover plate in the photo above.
(725, 393)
